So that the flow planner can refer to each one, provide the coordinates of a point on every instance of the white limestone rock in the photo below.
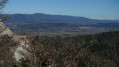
(21, 50)
(5, 30)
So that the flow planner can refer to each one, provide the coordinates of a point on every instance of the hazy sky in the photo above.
(97, 9)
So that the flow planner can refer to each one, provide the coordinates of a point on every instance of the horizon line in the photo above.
(67, 15)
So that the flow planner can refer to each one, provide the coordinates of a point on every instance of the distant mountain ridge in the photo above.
(47, 18)
(54, 24)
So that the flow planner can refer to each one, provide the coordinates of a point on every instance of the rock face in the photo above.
(21, 49)
(4, 30)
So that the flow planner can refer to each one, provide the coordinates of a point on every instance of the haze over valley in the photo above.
(59, 24)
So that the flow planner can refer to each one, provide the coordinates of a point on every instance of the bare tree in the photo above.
(3, 16)
(2, 3)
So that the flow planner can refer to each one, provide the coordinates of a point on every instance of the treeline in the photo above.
(99, 50)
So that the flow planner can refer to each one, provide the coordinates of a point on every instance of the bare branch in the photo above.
(2, 3)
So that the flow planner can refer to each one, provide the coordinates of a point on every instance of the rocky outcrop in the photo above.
(22, 41)
(4, 30)
(21, 50)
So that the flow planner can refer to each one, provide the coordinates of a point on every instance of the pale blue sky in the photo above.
(97, 9)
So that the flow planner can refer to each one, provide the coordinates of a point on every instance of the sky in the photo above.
(94, 9)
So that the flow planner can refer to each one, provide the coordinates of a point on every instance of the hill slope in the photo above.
(53, 24)
(39, 17)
